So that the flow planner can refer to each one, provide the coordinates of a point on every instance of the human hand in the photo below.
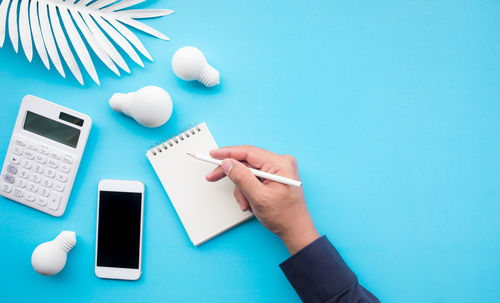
(280, 208)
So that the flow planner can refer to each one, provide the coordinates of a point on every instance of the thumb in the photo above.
(242, 177)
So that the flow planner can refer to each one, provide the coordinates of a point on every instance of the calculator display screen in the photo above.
(51, 129)
(119, 229)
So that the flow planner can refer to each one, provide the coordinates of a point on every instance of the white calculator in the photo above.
(44, 154)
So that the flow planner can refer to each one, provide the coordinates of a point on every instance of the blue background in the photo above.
(391, 107)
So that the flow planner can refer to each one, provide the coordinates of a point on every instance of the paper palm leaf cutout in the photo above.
(41, 22)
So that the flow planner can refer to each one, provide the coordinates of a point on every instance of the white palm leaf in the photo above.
(49, 24)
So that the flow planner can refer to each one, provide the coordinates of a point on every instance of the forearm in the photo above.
(318, 274)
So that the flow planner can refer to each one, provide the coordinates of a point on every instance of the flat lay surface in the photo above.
(391, 109)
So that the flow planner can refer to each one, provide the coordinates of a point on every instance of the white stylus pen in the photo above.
(256, 172)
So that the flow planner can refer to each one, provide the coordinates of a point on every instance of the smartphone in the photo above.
(120, 209)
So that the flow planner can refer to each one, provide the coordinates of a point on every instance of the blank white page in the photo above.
(206, 209)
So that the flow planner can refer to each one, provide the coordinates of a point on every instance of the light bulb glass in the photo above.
(49, 258)
(151, 106)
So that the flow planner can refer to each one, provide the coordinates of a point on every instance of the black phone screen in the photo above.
(119, 230)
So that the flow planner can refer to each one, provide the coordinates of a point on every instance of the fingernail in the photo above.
(227, 165)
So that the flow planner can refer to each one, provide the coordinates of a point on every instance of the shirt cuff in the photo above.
(317, 271)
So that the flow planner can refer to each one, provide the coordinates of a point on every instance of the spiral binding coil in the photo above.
(171, 141)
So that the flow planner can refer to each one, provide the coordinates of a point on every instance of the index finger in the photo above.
(254, 156)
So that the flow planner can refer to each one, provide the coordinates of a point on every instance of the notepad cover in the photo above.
(206, 209)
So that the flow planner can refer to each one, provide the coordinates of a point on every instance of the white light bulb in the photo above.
(49, 258)
(189, 64)
(151, 106)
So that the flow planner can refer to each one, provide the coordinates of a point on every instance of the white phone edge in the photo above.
(116, 272)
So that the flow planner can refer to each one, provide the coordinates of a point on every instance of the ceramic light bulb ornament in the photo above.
(190, 64)
(151, 106)
(49, 258)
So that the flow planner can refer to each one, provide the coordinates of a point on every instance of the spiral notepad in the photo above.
(205, 209)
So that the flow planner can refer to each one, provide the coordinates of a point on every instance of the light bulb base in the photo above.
(210, 76)
(66, 240)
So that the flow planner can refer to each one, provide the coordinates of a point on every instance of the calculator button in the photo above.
(9, 179)
(47, 182)
(35, 177)
(44, 192)
(58, 186)
(12, 169)
(20, 142)
(65, 168)
(18, 150)
(44, 150)
(52, 163)
(32, 187)
(15, 159)
(29, 154)
(41, 159)
(18, 192)
(55, 156)
(54, 201)
(24, 173)
(7, 188)
(26, 164)
(67, 159)
(20, 182)
(41, 201)
(49, 172)
(61, 177)
(32, 147)
(30, 196)
(38, 168)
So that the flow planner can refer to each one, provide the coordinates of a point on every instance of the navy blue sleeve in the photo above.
(318, 274)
